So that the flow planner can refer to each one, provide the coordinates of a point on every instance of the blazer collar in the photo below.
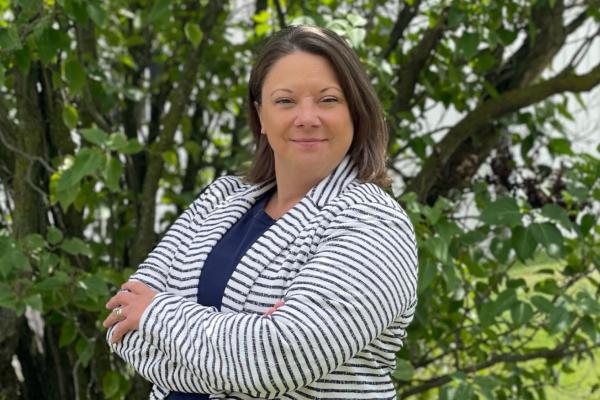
(324, 191)
(283, 233)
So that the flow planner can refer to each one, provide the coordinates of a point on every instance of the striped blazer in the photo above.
(344, 261)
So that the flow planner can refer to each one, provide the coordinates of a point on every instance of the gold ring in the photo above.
(119, 312)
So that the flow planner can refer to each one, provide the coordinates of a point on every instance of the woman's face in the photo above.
(304, 115)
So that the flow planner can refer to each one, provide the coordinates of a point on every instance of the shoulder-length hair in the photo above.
(369, 144)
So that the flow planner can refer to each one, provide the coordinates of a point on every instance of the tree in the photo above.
(115, 114)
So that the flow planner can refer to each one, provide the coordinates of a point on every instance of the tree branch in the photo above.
(280, 14)
(491, 110)
(405, 16)
(178, 100)
(8, 133)
(86, 52)
(408, 74)
(559, 351)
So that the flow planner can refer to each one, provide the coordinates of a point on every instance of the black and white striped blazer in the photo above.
(344, 261)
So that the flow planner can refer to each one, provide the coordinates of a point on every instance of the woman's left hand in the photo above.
(133, 299)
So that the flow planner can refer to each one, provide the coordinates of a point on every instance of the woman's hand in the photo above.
(132, 300)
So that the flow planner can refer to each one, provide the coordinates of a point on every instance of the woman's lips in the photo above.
(308, 141)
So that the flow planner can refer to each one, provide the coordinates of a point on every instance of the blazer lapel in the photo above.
(211, 230)
(281, 234)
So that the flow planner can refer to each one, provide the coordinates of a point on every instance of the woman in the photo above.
(299, 281)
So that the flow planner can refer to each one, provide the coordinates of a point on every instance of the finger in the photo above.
(271, 310)
(122, 327)
(119, 299)
(134, 286)
(119, 331)
(113, 318)
(110, 320)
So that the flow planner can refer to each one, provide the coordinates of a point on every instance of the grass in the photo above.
(578, 384)
(575, 385)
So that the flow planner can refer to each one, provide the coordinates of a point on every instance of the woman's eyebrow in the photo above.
(331, 87)
(283, 89)
(321, 91)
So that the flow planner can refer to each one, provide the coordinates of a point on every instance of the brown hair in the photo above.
(369, 145)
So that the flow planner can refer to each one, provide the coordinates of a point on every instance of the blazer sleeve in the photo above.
(361, 279)
(153, 271)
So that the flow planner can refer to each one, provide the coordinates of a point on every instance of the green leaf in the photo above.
(75, 75)
(11, 258)
(75, 9)
(52, 283)
(588, 304)
(23, 59)
(85, 350)
(451, 278)
(54, 235)
(549, 236)
(504, 301)
(117, 141)
(356, 36)
(47, 263)
(588, 326)
(110, 384)
(76, 246)
(485, 311)
(112, 173)
(95, 136)
(68, 333)
(170, 157)
(464, 391)
(7, 297)
(193, 33)
(560, 146)
(95, 287)
(427, 273)
(506, 36)
(35, 301)
(98, 14)
(456, 16)
(9, 39)
(87, 161)
(557, 213)
(503, 211)
(356, 20)
(159, 11)
(468, 44)
(487, 385)
(548, 286)
(521, 313)
(404, 370)
(33, 241)
(560, 320)
(542, 304)
(70, 116)
(587, 223)
(523, 242)
(49, 42)
(438, 248)
(500, 249)
(131, 147)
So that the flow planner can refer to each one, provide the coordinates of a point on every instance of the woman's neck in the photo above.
(291, 188)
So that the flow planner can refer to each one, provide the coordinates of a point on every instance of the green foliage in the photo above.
(488, 311)
(508, 261)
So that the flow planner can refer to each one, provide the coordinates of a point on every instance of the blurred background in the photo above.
(114, 114)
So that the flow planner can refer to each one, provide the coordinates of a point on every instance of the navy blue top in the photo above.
(223, 259)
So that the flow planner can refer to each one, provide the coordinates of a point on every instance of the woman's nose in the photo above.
(308, 114)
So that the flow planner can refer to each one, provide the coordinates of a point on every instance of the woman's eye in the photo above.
(330, 100)
(283, 101)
